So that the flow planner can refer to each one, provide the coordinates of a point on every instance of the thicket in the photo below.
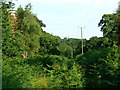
(49, 71)
(33, 58)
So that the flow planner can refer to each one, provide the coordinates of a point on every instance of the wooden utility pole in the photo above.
(82, 40)
(118, 4)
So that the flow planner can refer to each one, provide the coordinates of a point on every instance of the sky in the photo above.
(64, 18)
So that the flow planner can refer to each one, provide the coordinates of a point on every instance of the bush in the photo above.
(101, 67)
(17, 73)
(39, 72)
(63, 77)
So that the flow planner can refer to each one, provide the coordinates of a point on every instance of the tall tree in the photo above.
(110, 26)
(10, 44)
(118, 25)
(31, 29)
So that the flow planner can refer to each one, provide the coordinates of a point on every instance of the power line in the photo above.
(102, 9)
(88, 11)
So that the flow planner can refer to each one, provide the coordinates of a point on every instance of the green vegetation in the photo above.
(33, 58)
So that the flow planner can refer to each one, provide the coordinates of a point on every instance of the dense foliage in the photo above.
(33, 58)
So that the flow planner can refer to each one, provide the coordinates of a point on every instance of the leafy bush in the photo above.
(66, 78)
(41, 72)
(16, 73)
(101, 67)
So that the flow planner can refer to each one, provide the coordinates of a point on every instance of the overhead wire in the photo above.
(107, 2)
(99, 12)
(88, 11)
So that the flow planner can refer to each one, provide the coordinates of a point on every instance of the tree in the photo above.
(118, 25)
(49, 44)
(66, 50)
(30, 28)
(10, 43)
(20, 16)
(110, 24)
